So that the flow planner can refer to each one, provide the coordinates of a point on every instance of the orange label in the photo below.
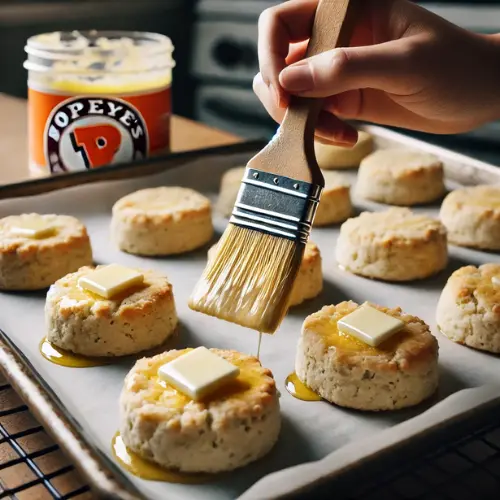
(77, 133)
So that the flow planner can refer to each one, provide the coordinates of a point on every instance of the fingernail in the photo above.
(349, 137)
(297, 78)
(276, 94)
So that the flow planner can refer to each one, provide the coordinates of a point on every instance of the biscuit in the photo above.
(468, 311)
(32, 264)
(335, 203)
(84, 323)
(472, 217)
(309, 281)
(162, 221)
(393, 245)
(229, 187)
(400, 177)
(236, 425)
(330, 156)
(400, 372)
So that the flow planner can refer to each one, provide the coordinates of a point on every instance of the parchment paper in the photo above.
(329, 436)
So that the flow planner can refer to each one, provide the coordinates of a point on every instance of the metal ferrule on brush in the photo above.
(276, 205)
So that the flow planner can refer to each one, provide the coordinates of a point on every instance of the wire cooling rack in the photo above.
(33, 468)
(467, 469)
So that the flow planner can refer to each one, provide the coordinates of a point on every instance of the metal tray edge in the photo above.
(103, 476)
(44, 404)
(141, 168)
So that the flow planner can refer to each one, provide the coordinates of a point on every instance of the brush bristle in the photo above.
(249, 279)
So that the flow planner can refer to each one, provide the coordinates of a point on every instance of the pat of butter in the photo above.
(32, 227)
(370, 325)
(496, 280)
(111, 280)
(198, 373)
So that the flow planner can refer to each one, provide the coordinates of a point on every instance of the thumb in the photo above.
(391, 67)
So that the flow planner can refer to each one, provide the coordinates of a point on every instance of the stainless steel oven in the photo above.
(224, 60)
(224, 63)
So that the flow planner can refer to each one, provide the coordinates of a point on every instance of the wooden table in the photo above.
(186, 135)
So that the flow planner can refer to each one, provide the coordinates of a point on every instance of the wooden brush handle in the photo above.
(332, 28)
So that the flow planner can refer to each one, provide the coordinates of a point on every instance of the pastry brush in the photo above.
(249, 278)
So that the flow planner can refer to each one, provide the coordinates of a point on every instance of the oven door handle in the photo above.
(235, 112)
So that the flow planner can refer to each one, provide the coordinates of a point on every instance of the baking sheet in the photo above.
(317, 438)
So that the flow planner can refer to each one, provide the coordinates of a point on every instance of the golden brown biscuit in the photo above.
(400, 177)
(309, 281)
(84, 323)
(335, 203)
(28, 263)
(468, 310)
(162, 221)
(236, 425)
(329, 156)
(229, 187)
(393, 245)
(400, 372)
(472, 217)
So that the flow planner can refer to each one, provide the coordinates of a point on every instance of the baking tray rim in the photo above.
(105, 477)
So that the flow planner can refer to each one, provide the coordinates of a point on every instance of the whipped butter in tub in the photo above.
(97, 98)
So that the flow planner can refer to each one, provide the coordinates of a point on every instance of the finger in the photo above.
(296, 52)
(333, 130)
(279, 26)
(377, 107)
(350, 105)
(268, 99)
(370, 105)
(329, 128)
(391, 67)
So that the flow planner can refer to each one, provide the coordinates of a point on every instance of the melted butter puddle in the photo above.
(61, 357)
(144, 469)
(299, 390)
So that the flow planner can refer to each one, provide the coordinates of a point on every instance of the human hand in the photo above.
(405, 67)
